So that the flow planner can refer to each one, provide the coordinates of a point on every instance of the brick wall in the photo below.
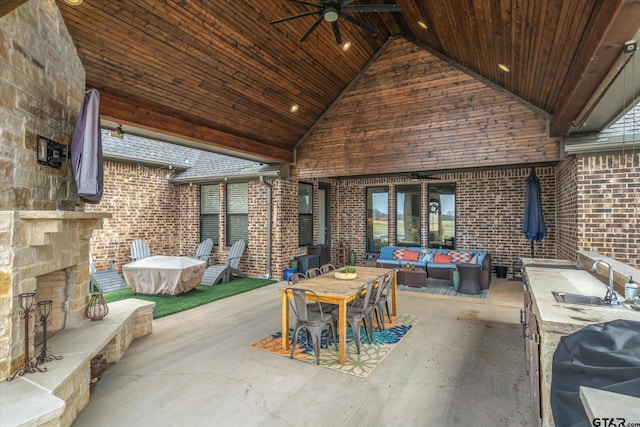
(608, 189)
(144, 205)
(567, 209)
(41, 87)
(489, 211)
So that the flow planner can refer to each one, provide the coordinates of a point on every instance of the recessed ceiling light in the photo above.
(504, 68)
(73, 2)
(346, 46)
(422, 25)
(294, 108)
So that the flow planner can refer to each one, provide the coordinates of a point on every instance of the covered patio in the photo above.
(455, 101)
(461, 365)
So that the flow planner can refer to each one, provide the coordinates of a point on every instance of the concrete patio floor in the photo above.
(462, 364)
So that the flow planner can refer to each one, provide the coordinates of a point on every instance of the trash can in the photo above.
(501, 271)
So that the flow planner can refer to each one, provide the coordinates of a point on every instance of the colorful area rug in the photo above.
(441, 287)
(360, 365)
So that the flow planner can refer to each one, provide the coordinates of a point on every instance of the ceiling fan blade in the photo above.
(372, 8)
(361, 24)
(313, 27)
(308, 3)
(277, 21)
(336, 32)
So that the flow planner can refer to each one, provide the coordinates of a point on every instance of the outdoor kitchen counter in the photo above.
(559, 319)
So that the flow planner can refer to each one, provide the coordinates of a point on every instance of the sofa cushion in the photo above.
(411, 255)
(398, 253)
(440, 266)
(460, 256)
(386, 252)
(441, 259)
(389, 262)
(413, 263)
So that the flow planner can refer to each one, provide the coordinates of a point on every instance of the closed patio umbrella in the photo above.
(86, 149)
(533, 225)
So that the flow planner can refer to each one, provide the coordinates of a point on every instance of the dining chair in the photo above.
(296, 278)
(327, 268)
(313, 272)
(313, 321)
(382, 302)
(357, 311)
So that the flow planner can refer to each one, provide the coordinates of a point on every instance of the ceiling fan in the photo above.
(332, 10)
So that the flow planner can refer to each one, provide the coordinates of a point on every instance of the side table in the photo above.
(415, 278)
(469, 279)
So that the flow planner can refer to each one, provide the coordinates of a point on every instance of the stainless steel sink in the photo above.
(582, 299)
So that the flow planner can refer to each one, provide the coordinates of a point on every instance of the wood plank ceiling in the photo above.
(218, 73)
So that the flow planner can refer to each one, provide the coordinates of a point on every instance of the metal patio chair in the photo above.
(313, 321)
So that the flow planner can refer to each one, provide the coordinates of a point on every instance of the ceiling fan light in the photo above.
(331, 14)
(73, 2)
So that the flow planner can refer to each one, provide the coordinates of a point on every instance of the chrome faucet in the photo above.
(610, 296)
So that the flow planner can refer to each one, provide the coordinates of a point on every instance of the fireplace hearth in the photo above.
(46, 252)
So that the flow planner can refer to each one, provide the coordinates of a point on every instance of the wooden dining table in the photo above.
(335, 291)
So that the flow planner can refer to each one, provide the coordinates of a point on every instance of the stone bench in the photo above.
(55, 397)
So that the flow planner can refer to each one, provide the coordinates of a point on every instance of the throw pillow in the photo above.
(474, 259)
(442, 259)
(411, 256)
(387, 252)
(460, 256)
(398, 254)
(426, 257)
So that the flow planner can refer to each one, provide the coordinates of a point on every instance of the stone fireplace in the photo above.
(46, 252)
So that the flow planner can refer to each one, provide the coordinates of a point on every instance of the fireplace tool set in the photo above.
(30, 365)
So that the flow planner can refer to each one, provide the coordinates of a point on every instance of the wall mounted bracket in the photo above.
(51, 153)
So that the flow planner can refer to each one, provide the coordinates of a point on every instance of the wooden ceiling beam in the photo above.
(9, 5)
(124, 112)
(616, 22)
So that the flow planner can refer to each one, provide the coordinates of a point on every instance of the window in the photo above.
(210, 213)
(305, 214)
(408, 215)
(237, 212)
(377, 218)
(442, 216)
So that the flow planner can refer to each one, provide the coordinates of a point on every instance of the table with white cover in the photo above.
(164, 275)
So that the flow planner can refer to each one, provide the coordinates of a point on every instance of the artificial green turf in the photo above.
(169, 304)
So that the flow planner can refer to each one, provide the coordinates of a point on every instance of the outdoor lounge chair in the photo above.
(139, 250)
(203, 253)
(216, 273)
(105, 281)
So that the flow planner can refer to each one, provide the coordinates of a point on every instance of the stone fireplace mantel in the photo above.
(33, 244)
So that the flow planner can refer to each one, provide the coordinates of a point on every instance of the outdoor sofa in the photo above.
(437, 263)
